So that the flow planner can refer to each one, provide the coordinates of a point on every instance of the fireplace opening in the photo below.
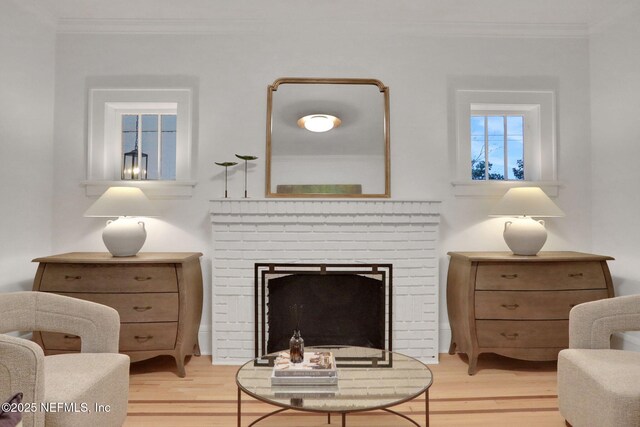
(342, 304)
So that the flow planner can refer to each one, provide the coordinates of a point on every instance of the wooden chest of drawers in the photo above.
(158, 297)
(518, 306)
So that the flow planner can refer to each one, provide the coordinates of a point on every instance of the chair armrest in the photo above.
(591, 324)
(97, 325)
(22, 370)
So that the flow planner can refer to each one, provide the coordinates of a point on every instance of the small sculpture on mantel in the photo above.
(245, 158)
(226, 168)
(296, 343)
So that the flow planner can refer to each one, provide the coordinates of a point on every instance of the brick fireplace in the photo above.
(403, 233)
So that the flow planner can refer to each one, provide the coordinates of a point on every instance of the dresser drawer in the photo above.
(133, 337)
(527, 334)
(109, 278)
(133, 308)
(148, 336)
(56, 341)
(531, 305)
(540, 276)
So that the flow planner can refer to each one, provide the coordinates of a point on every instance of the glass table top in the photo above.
(367, 379)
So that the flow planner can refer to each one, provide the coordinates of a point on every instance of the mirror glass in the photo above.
(351, 159)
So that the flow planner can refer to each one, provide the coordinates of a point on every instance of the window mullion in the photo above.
(159, 146)
(486, 148)
(505, 148)
(139, 153)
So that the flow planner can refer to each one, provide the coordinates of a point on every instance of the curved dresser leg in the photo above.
(196, 349)
(180, 365)
(452, 347)
(473, 363)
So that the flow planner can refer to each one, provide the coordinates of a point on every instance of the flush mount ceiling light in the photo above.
(319, 122)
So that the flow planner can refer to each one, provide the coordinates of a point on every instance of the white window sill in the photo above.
(498, 188)
(152, 189)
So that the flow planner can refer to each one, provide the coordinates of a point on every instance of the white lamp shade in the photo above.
(121, 201)
(124, 236)
(526, 201)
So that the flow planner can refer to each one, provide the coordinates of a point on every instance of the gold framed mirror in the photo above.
(327, 137)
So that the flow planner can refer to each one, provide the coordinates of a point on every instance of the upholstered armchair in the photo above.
(89, 388)
(598, 386)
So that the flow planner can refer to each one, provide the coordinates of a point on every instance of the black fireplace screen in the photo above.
(342, 304)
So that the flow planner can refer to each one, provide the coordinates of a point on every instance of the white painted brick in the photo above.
(403, 233)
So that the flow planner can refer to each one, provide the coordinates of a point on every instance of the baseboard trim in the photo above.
(204, 338)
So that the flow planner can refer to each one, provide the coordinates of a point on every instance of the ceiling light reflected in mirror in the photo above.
(319, 122)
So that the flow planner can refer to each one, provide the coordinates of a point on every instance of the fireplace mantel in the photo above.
(371, 210)
(399, 232)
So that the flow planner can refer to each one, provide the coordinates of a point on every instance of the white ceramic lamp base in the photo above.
(525, 236)
(124, 236)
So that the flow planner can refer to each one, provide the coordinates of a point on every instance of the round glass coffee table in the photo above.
(368, 379)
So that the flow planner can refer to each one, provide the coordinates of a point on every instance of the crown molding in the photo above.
(209, 26)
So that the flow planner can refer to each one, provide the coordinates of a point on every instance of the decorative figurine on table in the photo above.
(245, 158)
(296, 343)
(226, 168)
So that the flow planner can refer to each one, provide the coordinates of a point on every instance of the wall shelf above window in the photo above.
(498, 188)
(152, 189)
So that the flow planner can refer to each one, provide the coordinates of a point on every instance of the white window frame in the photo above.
(104, 153)
(538, 109)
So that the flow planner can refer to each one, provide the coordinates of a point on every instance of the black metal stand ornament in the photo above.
(226, 168)
(245, 158)
(296, 343)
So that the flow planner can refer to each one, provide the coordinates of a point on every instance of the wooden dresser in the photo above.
(518, 306)
(158, 296)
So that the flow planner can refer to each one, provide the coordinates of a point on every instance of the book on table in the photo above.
(316, 368)
(311, 392)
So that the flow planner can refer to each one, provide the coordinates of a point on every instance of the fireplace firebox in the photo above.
(342, 304)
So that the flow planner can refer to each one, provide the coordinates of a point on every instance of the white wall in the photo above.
(27, 45)
(615, 130)
(232, 70)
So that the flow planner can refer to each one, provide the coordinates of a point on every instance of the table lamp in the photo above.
(523, 234)
(126, 235)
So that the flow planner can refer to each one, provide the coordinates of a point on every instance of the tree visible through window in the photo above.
(497, 147)
(149, 146)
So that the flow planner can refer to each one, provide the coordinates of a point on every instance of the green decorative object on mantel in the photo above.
(245, 158)
(226, 168)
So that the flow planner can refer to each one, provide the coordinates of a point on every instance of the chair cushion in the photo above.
(82, 381)
(599, 387)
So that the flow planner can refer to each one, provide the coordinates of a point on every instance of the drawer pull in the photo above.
(510, 306)
(142, 278)
(71, 337)
(511, 337)
(143, 339)
(509, 276)
(575, 274)
(141, 309)
(67, 277)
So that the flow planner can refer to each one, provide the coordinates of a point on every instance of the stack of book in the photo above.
(317, 369)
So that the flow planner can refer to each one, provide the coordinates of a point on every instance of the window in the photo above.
(140, 137)
(149, 146)
(503, 139)
(497, 141)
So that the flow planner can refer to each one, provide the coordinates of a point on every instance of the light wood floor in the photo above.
(504, 392)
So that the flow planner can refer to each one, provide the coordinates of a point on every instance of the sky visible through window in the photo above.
(161, 151)
(499, 141)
